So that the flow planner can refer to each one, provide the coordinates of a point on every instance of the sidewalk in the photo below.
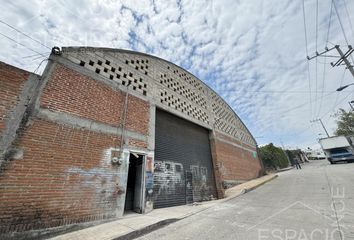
(285, 169)
(134, 224)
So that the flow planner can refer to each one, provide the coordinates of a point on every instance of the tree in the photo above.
(291, 154)
(345, 123)
(273, 157)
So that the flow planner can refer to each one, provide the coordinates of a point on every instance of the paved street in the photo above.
(313, 203)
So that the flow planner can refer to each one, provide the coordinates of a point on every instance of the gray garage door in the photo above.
(183, 164)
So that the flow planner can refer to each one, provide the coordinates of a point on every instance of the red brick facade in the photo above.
(236, 161)
(55, 182)
(71, 92)
(11, 83)
(65, 174)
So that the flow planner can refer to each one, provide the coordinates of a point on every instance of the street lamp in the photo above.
(343, 87)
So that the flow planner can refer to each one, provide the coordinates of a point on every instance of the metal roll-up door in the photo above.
(183, 165)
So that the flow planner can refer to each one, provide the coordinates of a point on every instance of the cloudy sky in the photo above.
(252, 52)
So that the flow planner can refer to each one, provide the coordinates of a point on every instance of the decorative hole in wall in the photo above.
(107, 67)
(181, 91)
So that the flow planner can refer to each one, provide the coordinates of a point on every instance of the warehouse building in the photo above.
(105, 131)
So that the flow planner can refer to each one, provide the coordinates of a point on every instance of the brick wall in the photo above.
(65, 174)
(235, 161)
(71, 92)
(11, 83)
(63, 178)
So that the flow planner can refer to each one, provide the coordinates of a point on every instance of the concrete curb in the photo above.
(135, 233)
(163, 223)
(250, 188)
(146, 230)
(261, 183)
(285, 169)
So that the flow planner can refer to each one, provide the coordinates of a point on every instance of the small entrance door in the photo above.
(134, 195)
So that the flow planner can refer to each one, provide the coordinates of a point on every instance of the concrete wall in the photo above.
(17, 91)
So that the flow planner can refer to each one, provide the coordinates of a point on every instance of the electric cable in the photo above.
(21, 44)
(12, 27)
(341, 26)
(308, 64)
(349, 19)
(316, 60)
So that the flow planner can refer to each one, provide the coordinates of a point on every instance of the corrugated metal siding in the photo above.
(183, 164)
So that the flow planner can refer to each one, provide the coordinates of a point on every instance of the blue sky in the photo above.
(252, 52)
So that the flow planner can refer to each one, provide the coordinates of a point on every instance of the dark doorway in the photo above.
(134, 193)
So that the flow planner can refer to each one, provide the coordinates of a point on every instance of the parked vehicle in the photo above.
(338, 148)
(316, 154)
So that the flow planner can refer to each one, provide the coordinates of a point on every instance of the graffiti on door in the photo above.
(172, 179)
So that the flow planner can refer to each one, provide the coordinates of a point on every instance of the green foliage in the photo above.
(345, 123)
(291, 154)
(273, 157)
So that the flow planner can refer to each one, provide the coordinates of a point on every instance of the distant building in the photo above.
(316, 154)
(103, 131)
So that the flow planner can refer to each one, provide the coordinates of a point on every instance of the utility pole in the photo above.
(351, 106)
(319, 120)
(286, 154)
(343, 57)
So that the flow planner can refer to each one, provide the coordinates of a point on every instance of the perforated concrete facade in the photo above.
(166, 85)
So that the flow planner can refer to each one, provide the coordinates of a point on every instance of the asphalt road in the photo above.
(316, 202)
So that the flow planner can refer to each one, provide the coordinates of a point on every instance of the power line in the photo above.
(324, 128)
(303, 104)
(304, 18)
(323, 86)
(308, 64)
(341, 81)
(40, 64)
(34, 55)
(329, 23)
(325, 60)
(316, 23)
(316, 62)
(21, 44)
(340, 21)
(12, 27)
(336, 105)
(350, 21)
(341, 25)
(39, 57)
